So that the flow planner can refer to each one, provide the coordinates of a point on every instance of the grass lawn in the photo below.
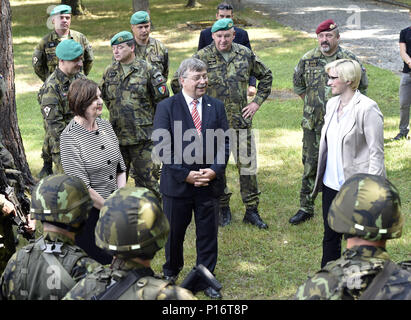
(252, 263)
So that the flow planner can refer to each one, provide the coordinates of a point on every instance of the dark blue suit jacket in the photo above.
(241, 37)
(171, 122)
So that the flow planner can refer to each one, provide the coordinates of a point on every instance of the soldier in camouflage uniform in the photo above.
(49, 267)
(131, 89)
(7, 239)
(367, 210)
(44, 58)
(7, 244)
(310, 83)
(45, 61)
(230, 66)
(147, 48)
(52, 97)
(133, 228)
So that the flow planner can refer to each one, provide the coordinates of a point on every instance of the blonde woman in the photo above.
(352, 141)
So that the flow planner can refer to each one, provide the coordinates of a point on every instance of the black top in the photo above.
(405, 37)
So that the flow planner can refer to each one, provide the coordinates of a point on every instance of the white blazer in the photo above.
(361, 139)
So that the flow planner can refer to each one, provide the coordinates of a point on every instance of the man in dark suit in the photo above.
(225, 10)
(191, 138)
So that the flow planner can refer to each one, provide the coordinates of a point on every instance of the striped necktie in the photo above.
(196, 116)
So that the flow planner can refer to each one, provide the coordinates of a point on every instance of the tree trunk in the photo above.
(9, 128)
(77, 7)
(140, 5)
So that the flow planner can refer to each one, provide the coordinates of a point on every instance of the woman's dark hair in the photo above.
(81, 94)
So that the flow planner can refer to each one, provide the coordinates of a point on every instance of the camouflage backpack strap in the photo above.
(117, 289)
(379, 280)
(71, 256)
(52, 261)
(23, 255)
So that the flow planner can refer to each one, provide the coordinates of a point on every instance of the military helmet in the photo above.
(61, 199)
(367, 206)
(132, 224)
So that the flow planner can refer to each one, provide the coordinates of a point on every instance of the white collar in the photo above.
(189, 100)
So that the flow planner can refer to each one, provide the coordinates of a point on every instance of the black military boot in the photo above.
(300, 216)
(46, 170)
(252, 216)
(225, 216)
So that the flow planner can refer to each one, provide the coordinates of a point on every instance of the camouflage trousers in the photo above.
(57, 166)
(7, 244)
(46, 149)
(311, 143)
(145, 171)
(48, 155)
(244, 151)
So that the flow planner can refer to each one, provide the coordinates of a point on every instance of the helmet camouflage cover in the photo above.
(61, 198)
(132, 224)
(367, 206)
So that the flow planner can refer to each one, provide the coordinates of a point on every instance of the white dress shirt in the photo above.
(334, 172)
(189, 102)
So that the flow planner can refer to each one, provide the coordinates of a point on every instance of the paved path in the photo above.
(368, 28)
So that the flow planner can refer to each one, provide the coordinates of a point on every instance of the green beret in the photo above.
(222, 24)
(61, 9)
(121, 37)
(140, 17)
(69, 50)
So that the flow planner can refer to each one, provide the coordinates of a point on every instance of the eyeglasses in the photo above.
(225, 6)
(199, 77)
(332, 78)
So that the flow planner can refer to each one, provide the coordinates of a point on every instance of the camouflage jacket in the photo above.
(348, 277)
(155, 53)
(52, 98)
(148, 287)
(2, 88)
(228, 80)
(44, 58)
(311, 79)
(132, 99)
(29, 276)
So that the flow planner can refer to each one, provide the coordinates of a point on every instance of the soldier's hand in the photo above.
(8, 208)
(251, 91)
(250, 110)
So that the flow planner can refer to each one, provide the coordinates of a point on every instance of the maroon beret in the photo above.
(326, 25)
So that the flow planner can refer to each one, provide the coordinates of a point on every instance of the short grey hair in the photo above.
(190, 64)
